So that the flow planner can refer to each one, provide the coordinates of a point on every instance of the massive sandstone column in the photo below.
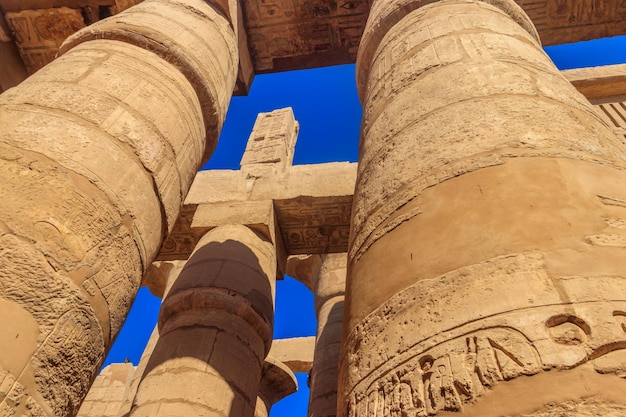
(97, 151)
(215, 329)
(489, 225)
(328, 287)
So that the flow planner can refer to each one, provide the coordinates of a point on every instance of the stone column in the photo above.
(97, 151)
(488, 228)
(215, 330)
(329, 290)
(277, 382)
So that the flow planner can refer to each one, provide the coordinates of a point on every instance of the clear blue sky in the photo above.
(326, 105)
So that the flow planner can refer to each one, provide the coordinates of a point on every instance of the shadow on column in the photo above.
(215, 331)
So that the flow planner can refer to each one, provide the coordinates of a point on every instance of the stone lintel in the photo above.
(18, 5)
(282, 35)
(599, 83)
(259, 216)
(311, 203)
(295, 352)
(319, 180)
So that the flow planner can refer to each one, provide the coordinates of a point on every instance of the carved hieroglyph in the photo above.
(487, 231)
(97, 152)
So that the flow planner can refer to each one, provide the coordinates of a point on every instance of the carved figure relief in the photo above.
(449, 375)
(455, 364)
(39, 33)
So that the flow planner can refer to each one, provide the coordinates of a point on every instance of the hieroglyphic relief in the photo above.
(272, 139)
(314, 225)
(449, 360)
(13, 393)
(558, 20)
(39, 33)
(287, 34)
(615, 235)
(68, 340)
(181, 241)
(446, 377)
(295, 34)
(587, 11)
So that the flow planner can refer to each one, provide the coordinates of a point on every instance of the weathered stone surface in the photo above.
(486, 228)
(599, 83)
(285, 34)
(272, 141)
(190, 35)
(107, 391)
(309, 205)
(98, 150)
(215, 330)
(329, 287)
(296, 352)
(312, 205)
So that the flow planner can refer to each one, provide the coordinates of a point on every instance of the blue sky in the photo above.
(326, 105)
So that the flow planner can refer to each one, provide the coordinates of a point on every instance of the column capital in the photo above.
(185, 34)
(384, 14)
(231, 273)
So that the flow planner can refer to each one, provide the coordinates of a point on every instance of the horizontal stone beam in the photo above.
(295, 352)
(311, 205)
(599, 83)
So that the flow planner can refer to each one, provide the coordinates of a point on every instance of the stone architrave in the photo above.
(215, 329)
(97, 152)
(488, 225)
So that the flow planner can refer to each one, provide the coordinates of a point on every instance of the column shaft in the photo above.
(215, 330)
(97, 151)
(329, 290)
(487, 225)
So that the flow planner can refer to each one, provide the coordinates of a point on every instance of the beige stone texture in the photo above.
(286, 34)
(161, 275)
(598, 84)
(98, 150)
(272, 142)
(215, 330)
(303, 209)
(296, 352)
(189, 34)
(127, 401)
(329, 287)
(12, 69)
(107, 391)
(486, 228)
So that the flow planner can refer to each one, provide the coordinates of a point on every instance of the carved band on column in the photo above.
(215, 329)
(486, 228)
(97, 152)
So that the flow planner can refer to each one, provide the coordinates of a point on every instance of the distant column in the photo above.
(97, 151)
(215, 330)
(329, 290)
(488, 227)
(277, 382)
